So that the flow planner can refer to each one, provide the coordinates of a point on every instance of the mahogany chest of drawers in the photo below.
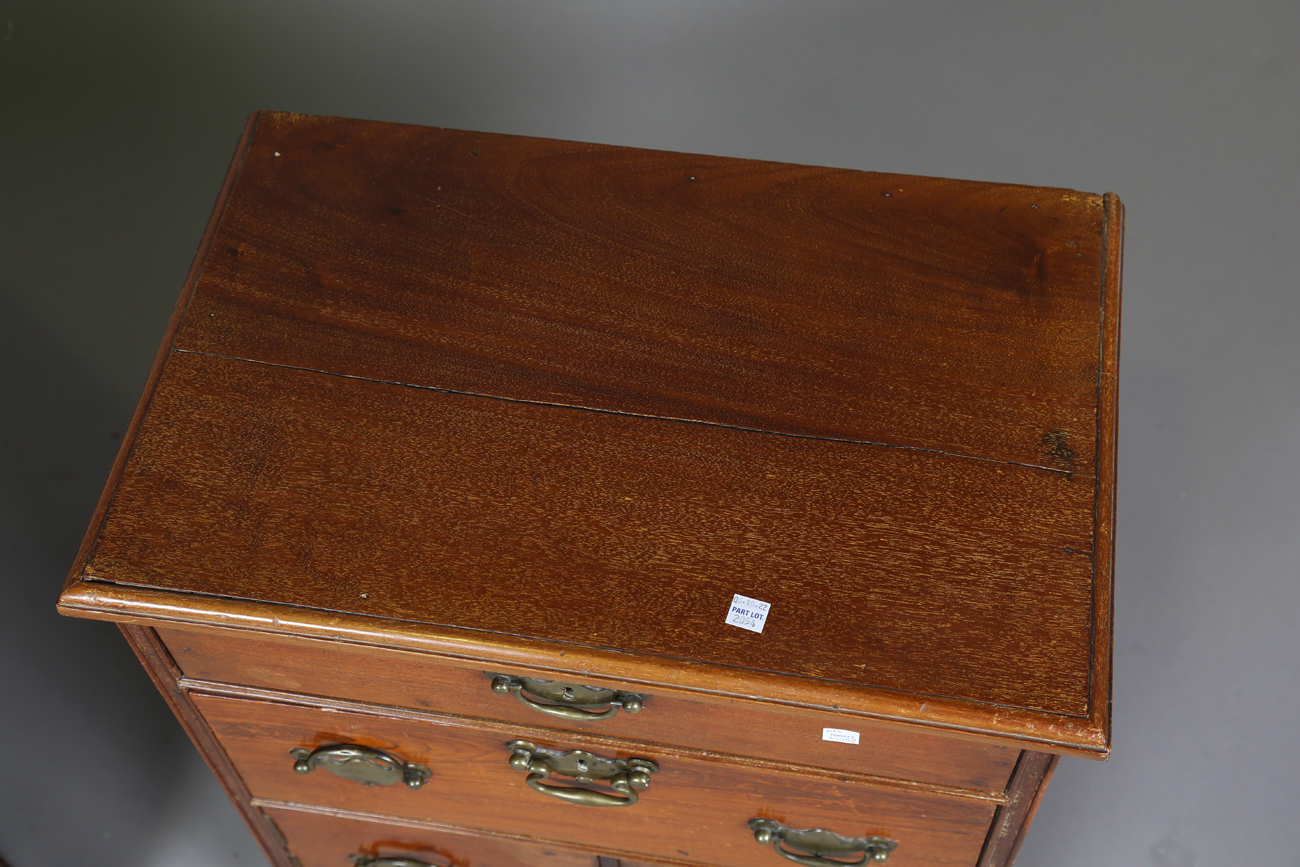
(506, 501)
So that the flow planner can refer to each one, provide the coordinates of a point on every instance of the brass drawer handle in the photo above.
(624, 776)
(820, 844)
(367, 861)
(569, 700)
(363, 765)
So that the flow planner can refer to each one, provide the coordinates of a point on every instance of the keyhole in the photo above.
(582, 765)
(568, 693)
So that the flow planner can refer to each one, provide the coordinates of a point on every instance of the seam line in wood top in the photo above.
(513, 730)
(97, 580)
(668, 418)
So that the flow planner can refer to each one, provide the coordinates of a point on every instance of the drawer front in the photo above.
(318, 840)
(693, 810)
(716, 724)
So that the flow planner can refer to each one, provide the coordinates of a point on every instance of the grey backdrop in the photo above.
(116, 124)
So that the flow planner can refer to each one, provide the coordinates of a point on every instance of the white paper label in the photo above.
(748, 613)
(842, 736)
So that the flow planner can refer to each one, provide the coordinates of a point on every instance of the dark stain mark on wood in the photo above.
(1055, 447)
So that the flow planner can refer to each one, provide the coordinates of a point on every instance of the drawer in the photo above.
(319, 840)
(695, 809)
(673, 717)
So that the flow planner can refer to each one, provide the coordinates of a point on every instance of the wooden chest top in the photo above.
(513, 398)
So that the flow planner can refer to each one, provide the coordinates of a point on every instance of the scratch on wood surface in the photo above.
(478, 220)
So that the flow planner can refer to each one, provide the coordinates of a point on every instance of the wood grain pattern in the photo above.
(1012, 727)
(156, 661)
(694, 810)
(160, 359)
(720, 724)
(920, 312)
(436, 402)
(902, 569)
(320, 839)
(593, 740)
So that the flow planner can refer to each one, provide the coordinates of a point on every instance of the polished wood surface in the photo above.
(160, 360)
(694, 809)
(905, 563)
(436, 403)
(599, 742)
(327, 839)
(720, 724)
(610, 530)
(919, 312)
(1010, 727)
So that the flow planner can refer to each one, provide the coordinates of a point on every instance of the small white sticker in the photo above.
(841, 736)
(748, 613)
